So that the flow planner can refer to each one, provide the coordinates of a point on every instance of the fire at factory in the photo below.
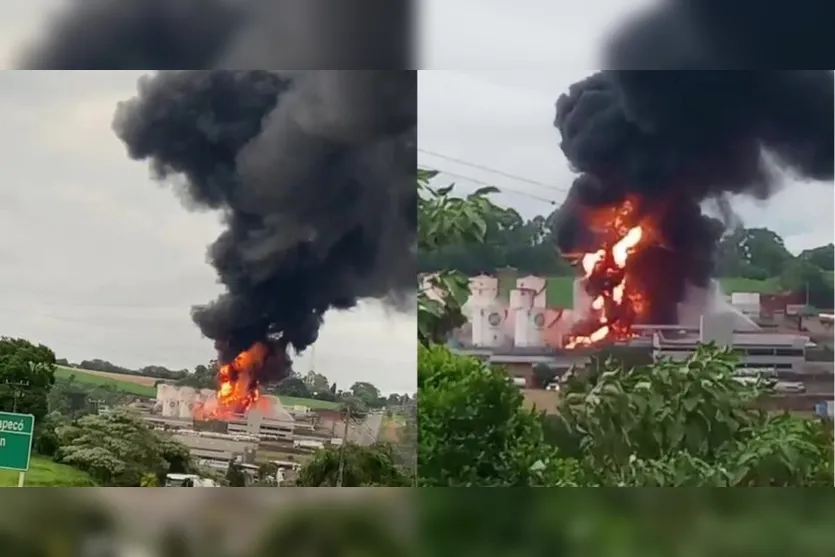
(313, 176)
(651, 151)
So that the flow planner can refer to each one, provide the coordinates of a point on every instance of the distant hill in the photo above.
(145, 387)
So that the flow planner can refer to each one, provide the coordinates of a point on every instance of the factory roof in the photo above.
(739, 338)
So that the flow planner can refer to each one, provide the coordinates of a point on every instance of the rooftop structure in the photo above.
(757, 349)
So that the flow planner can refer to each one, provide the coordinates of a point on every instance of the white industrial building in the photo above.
(758, 350)
(214, 450)
(180, 402)
(525, 321)
(176, 406)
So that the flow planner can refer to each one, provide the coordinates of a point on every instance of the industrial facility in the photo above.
(515, 325)
(285, 435)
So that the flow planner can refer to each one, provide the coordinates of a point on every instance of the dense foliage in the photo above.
(431, 523)
(27, 372)
(119, 449)
(473, 430)
(361, 466)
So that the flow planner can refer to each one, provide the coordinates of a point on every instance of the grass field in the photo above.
(311, 403)
(125, 383)
(144, 386)
(45, 473)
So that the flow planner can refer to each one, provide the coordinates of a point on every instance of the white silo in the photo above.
(167, 400)
(484, 290)
(187, 397)
(489, 326)
(529, 327)
(537, 285)
(521, 299)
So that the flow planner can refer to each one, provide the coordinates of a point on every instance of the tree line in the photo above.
(528, 245)
(313, 385)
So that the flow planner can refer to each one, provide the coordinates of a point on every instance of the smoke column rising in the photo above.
(674, 139)
(314, 173)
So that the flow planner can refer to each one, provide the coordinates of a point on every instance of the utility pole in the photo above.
(18, 387)
(341, 470)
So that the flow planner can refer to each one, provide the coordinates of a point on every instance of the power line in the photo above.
(486, 168)
(503, 189)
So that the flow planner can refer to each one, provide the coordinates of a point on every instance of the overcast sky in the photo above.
(503, 119)
(98, 261)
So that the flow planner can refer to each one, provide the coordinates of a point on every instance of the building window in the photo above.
(789, 352)
(759, 351)
(749, 365)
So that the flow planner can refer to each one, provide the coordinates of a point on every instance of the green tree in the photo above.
(361, 467)
(27, 373)
(688, 424)
(316, 382)
(293, 386)
(473, 430)
(116, 449)
(808, 281)
(203, 377)
(366, 392)
(822, 257)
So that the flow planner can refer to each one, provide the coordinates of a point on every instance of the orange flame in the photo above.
(615, 303)
(237, 389)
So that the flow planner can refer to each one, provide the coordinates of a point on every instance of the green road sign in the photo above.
(16, 432)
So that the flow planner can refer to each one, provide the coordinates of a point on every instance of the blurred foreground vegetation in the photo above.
(428, 523)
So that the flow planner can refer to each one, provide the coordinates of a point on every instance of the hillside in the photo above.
(144, 387)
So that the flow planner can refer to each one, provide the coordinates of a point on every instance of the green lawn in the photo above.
(45, 473)
(151, 392)
(311, 403)
(121, 385)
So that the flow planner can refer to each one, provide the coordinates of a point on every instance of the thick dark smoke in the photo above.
(136, 34)
(222, 34)
(674, 139)
(314, 173)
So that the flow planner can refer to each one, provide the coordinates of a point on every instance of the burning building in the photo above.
(313, 174)
(651, 148)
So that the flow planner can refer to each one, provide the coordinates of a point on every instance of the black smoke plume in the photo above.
(673, 138)
(222, 34)
(136, 35)
(314, 173)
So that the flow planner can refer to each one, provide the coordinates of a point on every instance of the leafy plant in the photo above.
(445, 219)
(473, 429)
(690, 423)
(361, 467)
